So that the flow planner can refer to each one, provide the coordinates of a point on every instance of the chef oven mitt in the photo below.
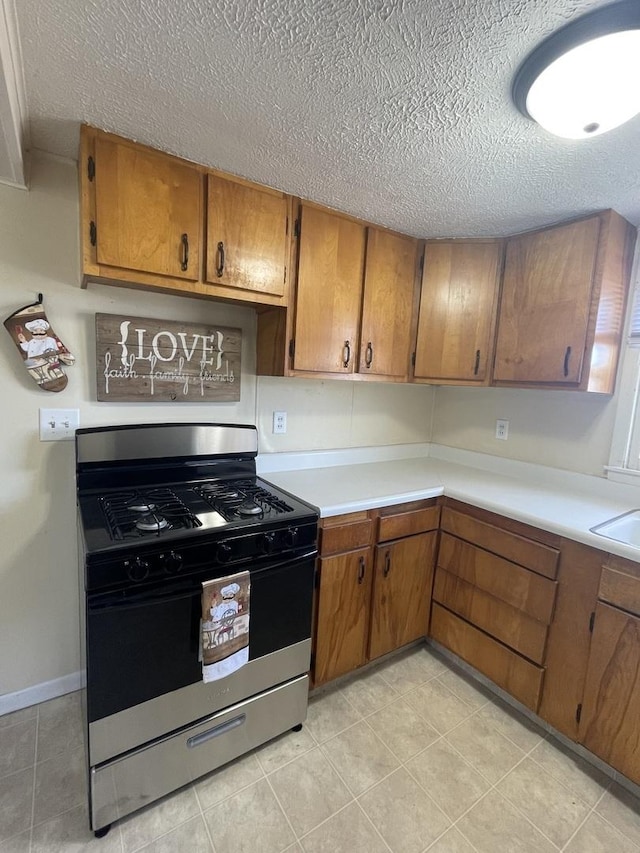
(42, 350)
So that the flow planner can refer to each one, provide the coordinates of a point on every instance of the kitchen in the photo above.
(40, 253)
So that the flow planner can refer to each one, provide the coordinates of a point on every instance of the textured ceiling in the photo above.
(397, 111)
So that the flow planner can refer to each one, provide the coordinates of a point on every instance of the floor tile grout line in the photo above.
(506, 799)
(204, 820)
(578, 828)
(374, 827)
(35, 772)
(158, 837)
(284, 812)
(564, 784)
(610, 823)
(301, 838)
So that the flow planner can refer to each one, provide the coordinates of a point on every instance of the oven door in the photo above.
(144, 673)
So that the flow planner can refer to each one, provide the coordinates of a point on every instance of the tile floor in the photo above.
(408, 757)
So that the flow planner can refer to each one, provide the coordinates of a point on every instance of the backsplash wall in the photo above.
(562, 429)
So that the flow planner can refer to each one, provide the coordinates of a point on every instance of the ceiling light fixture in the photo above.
(585, 78)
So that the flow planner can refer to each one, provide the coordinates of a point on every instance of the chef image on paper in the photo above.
(41, 344)
(224, 614)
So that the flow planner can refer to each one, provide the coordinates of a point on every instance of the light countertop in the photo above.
(560, 502)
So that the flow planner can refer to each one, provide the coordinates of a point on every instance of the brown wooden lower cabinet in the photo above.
(554, 623)
(372, 599)
(403, 576)
(343, 614)
(509, 670)
(609, 724)
(570, 637)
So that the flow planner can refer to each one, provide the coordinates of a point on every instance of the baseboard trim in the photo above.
(41, 692)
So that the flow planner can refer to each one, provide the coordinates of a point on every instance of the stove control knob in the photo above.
(267, 542)
(224, 552)
(137, 569)
(171, 562)
(291, 537)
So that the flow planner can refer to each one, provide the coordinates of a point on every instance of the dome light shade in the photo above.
(584, 79)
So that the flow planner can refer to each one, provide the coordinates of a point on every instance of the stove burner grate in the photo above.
(138, 513)
(242, 499)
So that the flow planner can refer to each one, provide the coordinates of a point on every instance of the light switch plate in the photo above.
(59, 424)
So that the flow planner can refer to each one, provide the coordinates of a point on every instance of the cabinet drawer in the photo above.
(533, 555)
(620, 589)
(395, 525)
(518, 587)
(345, 533)
(502, 621)
(510, 671)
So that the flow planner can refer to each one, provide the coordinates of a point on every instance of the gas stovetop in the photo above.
(142, 514)
(158, 500)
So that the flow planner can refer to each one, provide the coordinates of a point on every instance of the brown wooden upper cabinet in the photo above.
(458, 304)
(146, 214)
(562, 307)
(143, 225)
(354, 297)
(247, 236)
(329, 291)
(389, 286)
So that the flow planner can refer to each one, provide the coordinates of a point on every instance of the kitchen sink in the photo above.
(623, 528)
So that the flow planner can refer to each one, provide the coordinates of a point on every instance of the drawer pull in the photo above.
(387, 564)
(361, 570)
(216, 731)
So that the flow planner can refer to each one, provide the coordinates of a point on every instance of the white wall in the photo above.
(39, 252)
(562, 429)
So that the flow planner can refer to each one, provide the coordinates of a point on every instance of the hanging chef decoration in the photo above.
(42, 350)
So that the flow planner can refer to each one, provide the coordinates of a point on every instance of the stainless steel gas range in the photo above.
(163, 511)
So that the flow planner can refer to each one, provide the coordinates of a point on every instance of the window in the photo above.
(624, 463)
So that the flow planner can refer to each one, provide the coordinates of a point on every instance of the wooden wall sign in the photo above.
(158, 361)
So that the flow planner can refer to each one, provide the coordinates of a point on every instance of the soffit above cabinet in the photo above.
(396, 112)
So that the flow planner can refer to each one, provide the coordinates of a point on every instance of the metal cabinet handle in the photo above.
(346, 354)
(216, 731)
(387, 564)
(184, 246)
(368, 356)
(567, 356)
(220, 259)
(361, 570)
(476, 366)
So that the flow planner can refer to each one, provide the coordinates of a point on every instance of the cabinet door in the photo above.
(403, 578)
(246, 236)
(329, 291)
(545, 305)
(389, 279)
(611, 704)
(148, 211)
(343, 614)
(458, 303)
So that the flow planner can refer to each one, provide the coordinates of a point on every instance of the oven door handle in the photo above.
(117, 601)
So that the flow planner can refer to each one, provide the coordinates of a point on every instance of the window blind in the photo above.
(634, 326)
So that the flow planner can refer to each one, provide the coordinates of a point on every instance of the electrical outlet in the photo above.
(58, 424)
(279, 423)
(502, 429)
